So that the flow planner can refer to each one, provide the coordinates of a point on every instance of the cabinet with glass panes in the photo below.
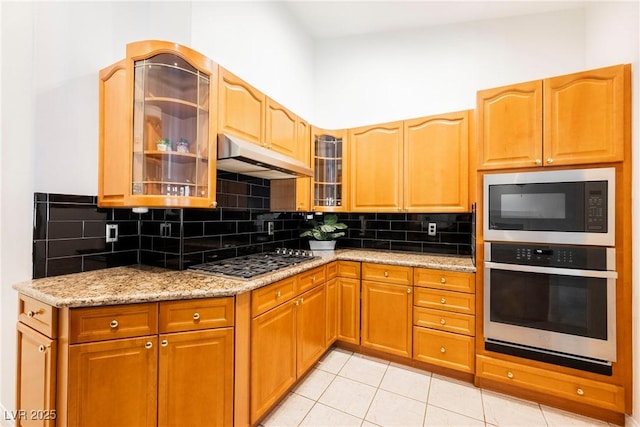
(158, 128)
(328, 164)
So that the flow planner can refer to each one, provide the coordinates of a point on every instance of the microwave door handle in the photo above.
(551, 270)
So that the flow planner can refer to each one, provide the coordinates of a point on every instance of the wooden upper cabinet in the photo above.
(241, 108)
(585, 115)
(329, 162)
(281, 129)
(157, 128)
(573, 119)
(436, 163)
(510, 126)
(375, 164)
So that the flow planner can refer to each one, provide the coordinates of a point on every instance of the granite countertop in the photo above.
(124, 285)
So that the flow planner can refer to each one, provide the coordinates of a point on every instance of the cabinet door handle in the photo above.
(313, 279)
(549, 160)
(443, 301)
(442, 321)
(196, 316)
(42, 348)
(443, 280)
(297, 303)
(113, 324)
(580, 392)
(214, 204)
(278, 294)
(32, 313)
(510, 375)
(148, 345)
(386, 274)
(408, 290)
(164, 343)
(443, 350)
(538, 162)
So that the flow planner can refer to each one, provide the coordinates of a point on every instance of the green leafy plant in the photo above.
(325, 230)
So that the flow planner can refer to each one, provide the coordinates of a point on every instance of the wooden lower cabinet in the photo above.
(581, 390)
(113, 383)
(386, 317)
(285, 342)
(445, 349)
(36, 378)
(195, 378)
(348, 310)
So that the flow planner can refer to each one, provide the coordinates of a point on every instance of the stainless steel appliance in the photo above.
(249, 266)
(554, 303)
(566, 207)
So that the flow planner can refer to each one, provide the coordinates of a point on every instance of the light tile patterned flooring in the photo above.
(348, 389)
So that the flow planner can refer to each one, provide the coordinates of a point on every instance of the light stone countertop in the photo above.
(133, 284)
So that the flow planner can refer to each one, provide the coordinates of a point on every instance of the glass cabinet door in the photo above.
(170, 128)
(328, 172)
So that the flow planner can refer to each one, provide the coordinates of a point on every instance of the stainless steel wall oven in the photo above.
(553, 303)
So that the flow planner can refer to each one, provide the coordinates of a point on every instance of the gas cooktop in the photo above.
(249, 266)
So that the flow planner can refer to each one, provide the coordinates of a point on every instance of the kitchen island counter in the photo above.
(135, 284)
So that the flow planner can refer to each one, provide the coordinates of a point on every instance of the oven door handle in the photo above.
(551, 270)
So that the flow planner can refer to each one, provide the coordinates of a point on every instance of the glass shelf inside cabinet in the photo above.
(328, 171)
(170, 128)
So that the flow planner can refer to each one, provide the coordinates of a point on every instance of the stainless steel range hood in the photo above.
(236, 155)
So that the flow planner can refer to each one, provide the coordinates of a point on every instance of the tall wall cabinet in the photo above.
(157, 128)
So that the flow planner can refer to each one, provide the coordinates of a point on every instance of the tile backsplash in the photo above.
(69, 231)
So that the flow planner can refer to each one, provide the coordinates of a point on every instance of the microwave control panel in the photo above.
(596, 206)
(577, 257)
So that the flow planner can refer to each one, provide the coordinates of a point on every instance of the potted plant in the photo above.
(323, 234)
(164, 144)
(182, 146)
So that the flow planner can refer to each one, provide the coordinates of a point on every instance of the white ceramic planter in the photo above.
(322, 245)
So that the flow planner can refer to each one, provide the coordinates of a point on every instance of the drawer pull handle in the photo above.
(443, 350)
(297, 303)
(549, 160)
(538, 162)
(443, 301)
(510, 375)
(164, 343)
(408, 290)
(113, 324)
(278, 294)
(196, 316)
(580, 392)
(313, 279)
(386, 274)
(442, 321)
(148, 345)
(43, 348)
(443, 280)
(32, 313)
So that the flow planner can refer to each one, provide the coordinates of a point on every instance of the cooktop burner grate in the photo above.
(253, 265)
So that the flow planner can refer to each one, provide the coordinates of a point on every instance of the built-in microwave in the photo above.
(560, 206)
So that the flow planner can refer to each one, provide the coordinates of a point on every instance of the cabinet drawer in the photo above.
(38, 315)
(111, 322)
(387, 273)
(332, 270)
(447, 280)
(269, 296)
(444, 349)
(191, 315)
(349, 269)
(444, 300)
(602, 395)
(309, 279)
(445, 321)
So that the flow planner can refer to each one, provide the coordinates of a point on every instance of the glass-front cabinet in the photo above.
(158, 128)
(328, 164)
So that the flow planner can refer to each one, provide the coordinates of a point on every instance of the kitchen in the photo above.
(75, 156)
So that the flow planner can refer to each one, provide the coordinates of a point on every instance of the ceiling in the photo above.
(333, 19)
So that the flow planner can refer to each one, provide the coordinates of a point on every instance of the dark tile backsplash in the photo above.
(69, 231)
(69, 235)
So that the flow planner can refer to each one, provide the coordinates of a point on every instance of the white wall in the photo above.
(261, 43)
(371, 79)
